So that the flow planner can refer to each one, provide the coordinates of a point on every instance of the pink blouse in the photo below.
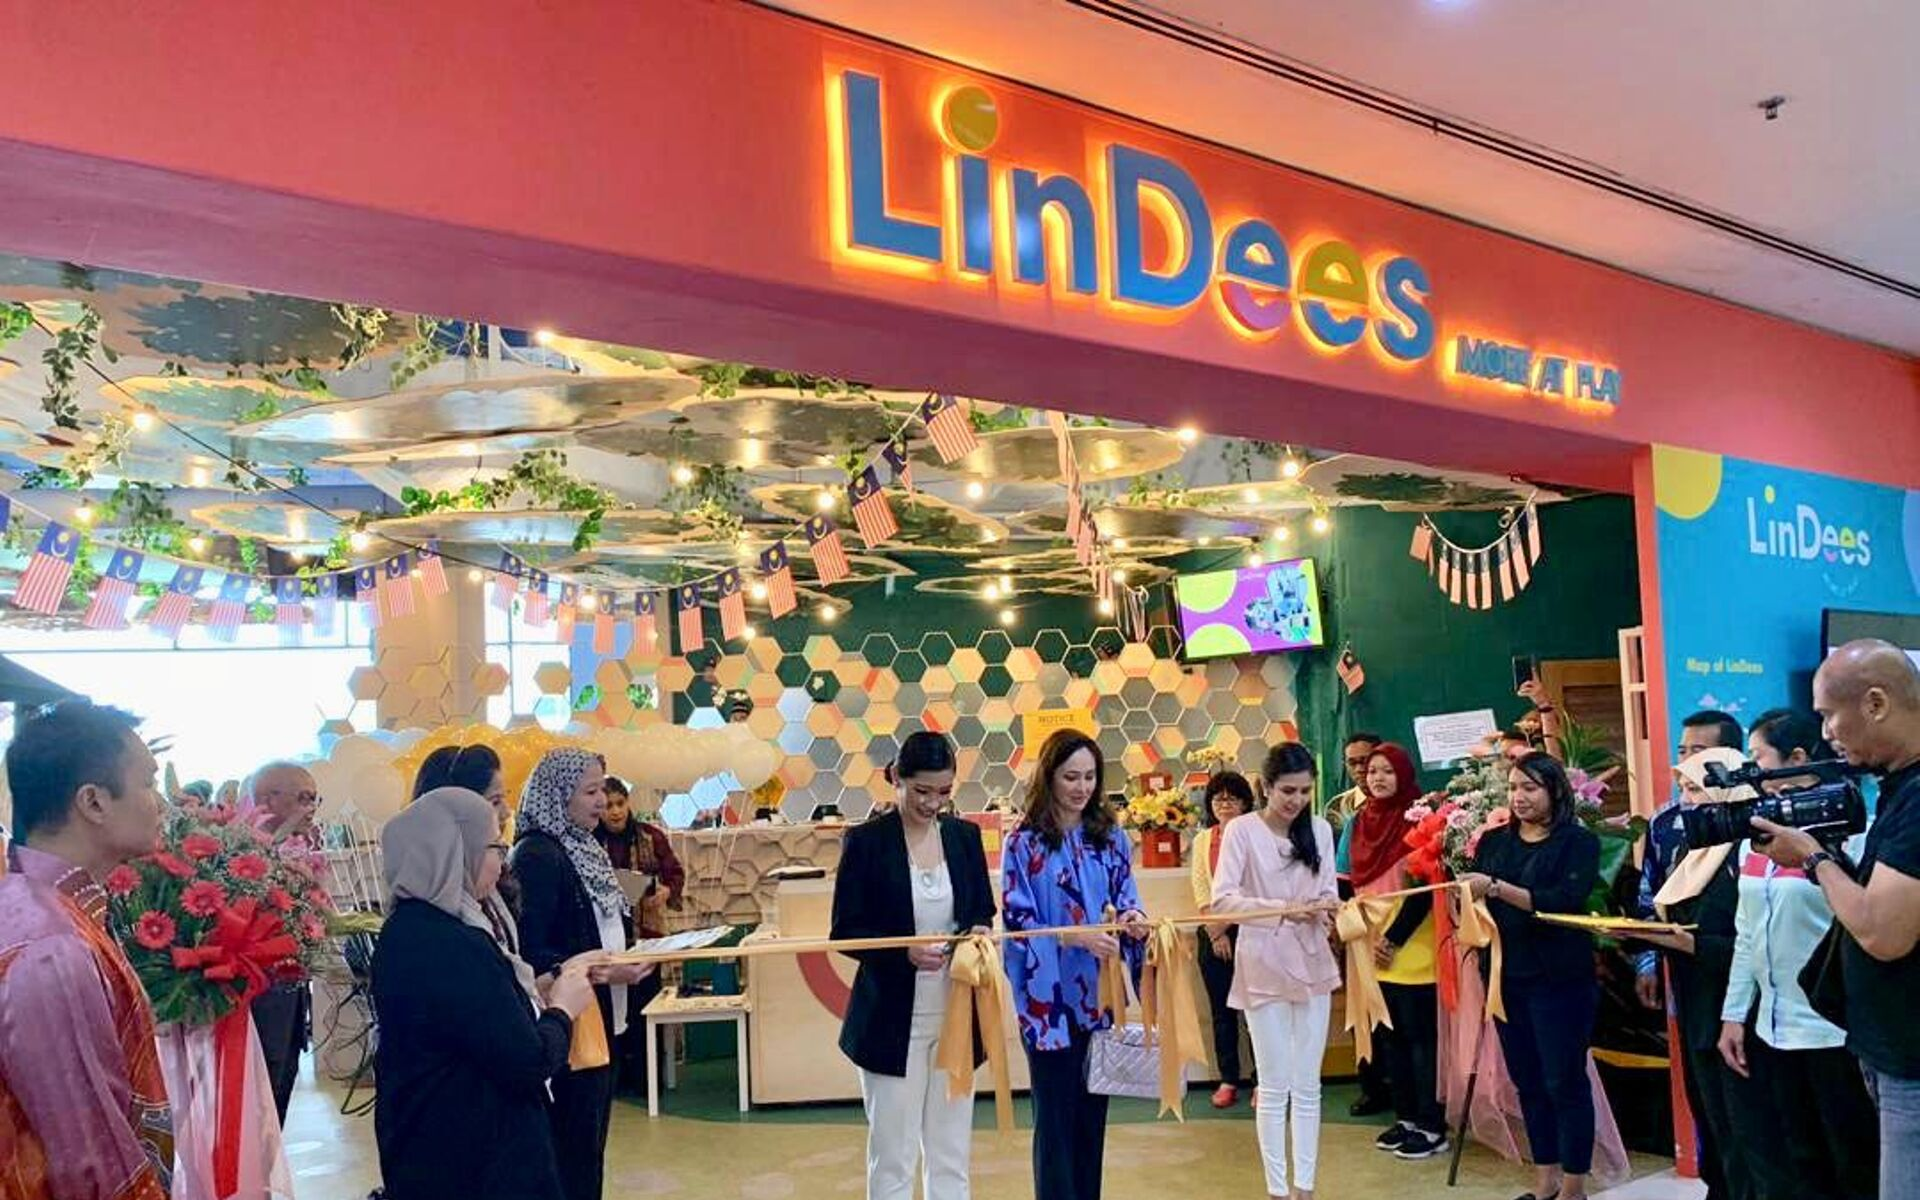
(1275, 959)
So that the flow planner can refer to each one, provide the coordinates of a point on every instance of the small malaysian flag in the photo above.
(568, 611)
(229, 608)
(108, 609)
(288, 611)
(1076, 513)
(326, 604)
(1351, 673)
(1522, 565)
(829, 552)
(778, 569)
(396, 590)
(646, 628)
(693, 635)
(603, 623)
(871, 512)
(1422, 540)
(947, 423)
(1506, 571)
(1530, 519)
(366, 590)
(898, 464)
(733, 606)
(539, 604)
(506, 581)
(44, 583)
(170, 614)
(1063, 447)
(433, 573)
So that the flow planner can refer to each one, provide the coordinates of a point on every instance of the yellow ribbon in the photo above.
(978, 986)
(1168, 1013)
(589, 1046)
(1477, 931)
(1359, 924)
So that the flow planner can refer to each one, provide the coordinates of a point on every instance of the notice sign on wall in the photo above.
(1446, 738)
(1039, 726)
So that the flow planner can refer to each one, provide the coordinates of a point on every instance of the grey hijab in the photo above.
(543, 809)
(432, 852)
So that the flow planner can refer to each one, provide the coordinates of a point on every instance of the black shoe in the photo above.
(1420, 1144)
(1369, 1106)
(1394, 1137)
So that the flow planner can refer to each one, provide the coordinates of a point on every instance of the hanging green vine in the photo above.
(716, 497)
(542, 476)
(71, 348)
(139, 512)
(15, 319)
(722, 380)
(1007, 416)
(363, 329)
(427, 350)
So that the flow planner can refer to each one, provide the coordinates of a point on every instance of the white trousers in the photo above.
(1289, 1040)
(912, 1124)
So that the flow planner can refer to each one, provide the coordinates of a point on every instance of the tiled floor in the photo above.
(701, 1148)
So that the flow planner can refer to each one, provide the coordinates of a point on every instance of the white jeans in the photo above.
(1289, 1040)
(910, 1120)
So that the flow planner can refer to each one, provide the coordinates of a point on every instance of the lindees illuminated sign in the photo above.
(1050, 230)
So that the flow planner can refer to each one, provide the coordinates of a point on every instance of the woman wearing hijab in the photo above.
(1737, 1135)
(570, 903)
(1404, 953)
(463, 1058)
(477, 769)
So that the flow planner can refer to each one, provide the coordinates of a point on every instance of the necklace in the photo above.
(916, 855)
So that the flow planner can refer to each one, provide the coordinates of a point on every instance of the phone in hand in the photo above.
(1526, 669)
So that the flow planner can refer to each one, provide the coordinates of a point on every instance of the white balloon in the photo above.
(756, 764)
(377, 792)
(329, 782)
(405, 739)
(357, 751)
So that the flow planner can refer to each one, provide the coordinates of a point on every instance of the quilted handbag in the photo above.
(1121, 1063)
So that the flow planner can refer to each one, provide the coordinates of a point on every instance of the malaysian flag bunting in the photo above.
(326, 603)
(603, 622)
(175, 605)
(568, 611)
(396, 588)
(1457, 581)
(506, 581)
(229, 608)
(895, 454)
(733, 606)
(871, 512)
(1506, 571)
(108, 608)
(1422, 540)
(829, 552)
(778, 569)
(1472, 588)
(539, 604)
(1442, 569)
(1086, 542)
(693, 636)
(1522, 573)
(1531, 519)
(948, 424)
(1486, 579)
(44, 583)
(288, 612)
(1103, 585)
(646, 627)
(1076, 513)
(433, 572)
(1062, 446)
(366, 590)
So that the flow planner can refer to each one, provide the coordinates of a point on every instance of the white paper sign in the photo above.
(1446, 738)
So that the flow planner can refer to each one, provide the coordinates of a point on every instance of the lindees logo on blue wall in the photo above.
(1777, 529)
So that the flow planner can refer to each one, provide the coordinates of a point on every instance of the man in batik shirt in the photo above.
(83, 1105)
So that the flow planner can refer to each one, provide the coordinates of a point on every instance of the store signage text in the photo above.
(1805, 535)
(1090, 240)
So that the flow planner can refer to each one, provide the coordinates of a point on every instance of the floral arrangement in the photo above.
(1211, 759)
(218, 914)
(1166, 809)
(1448, 825)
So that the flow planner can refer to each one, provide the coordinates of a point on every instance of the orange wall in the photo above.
(657, 173)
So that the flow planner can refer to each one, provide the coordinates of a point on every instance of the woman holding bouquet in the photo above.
(1284, 974)
(1545, 861)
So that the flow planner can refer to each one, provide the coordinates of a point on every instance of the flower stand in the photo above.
(227, 1143)
(1159, 848)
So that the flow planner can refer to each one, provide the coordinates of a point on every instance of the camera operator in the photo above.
(1868, 696)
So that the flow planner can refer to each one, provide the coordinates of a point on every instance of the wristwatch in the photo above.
(1812, 865)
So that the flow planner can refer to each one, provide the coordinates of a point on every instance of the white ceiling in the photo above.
(1657, 94)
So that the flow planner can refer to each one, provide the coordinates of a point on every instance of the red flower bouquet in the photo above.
(218, 914)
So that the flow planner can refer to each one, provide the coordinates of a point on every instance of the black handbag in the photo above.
(1823, 978)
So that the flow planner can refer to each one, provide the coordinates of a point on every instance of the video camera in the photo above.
(1832, 810)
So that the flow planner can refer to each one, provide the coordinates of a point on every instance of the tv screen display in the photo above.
(1251, 610)
(1842, 626)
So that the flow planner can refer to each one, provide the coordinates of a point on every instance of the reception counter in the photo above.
(798, 1000)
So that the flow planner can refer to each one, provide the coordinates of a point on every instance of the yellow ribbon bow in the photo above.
(978, 986)
(1478, 932)
(1168, 1012)
(1359, 922)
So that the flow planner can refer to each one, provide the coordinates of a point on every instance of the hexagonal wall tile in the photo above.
(365, 683)
(879, 648)
(764, 653)
(552, 678)
(1108, 678)
(994, 646)
(491, 679)
(909, 666)
(733, 672)
(1023, 665)
(766, 722)
(1136, 660)
(938, 681)
(1051, 645)
(822, 651)
(967, 665)
(1080, 693)
(1165, 675)
(823, 687)
(674, 675)
(937, 648)
(882, 718)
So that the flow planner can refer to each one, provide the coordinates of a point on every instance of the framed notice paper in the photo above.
(1449, 737)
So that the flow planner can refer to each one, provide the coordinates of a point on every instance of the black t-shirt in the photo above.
(1560, 872)
(1881, 1029)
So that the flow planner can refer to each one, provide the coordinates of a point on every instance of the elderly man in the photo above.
(281, 797)
(83, 1105)
(1868, 696)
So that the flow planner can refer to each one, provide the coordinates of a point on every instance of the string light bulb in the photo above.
(988, 536)
(758, 591)
(359, 539)
(1106, 607)
(466, 449)
(84, 514)
(474, 575)
(682, 474)
(1187, 435)
(143, 419)
(1289, 467)
(543, 337)
(1006, 584)
(990, 593)
(197, 544)
(825, 500)
(589, 602)
(1284, 533)
(975, 489)
(1250, 495)
(1320, 524)
(1008, 616)
(1119, 574)
(748, 633)
(1255, 559)
(828, 613)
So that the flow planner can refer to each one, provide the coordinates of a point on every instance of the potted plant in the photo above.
(1159, 816)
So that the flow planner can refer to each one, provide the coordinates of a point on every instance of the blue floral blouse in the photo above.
(1056, 988)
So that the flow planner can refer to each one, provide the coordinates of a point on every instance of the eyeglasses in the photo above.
(1360, 761)
(500, 846)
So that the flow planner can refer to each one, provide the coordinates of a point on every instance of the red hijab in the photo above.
(1380, 831)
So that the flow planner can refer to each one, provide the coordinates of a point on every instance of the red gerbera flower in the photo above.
(154, 930)
(199, 845)
(279, 899)
(173, 865)
(313, 927)
(122, 880)
(248, 866)
(203, 899)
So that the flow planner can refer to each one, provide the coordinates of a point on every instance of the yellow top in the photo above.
(1203, 867)
(1414, 963)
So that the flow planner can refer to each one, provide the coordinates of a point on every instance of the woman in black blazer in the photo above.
(913, 871)
(464, 1056)
(570, 903)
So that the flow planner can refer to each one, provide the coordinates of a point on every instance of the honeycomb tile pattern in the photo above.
(839, 706)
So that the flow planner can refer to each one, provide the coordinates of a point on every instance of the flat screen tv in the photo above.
(1840, 626)
(1251, 610)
